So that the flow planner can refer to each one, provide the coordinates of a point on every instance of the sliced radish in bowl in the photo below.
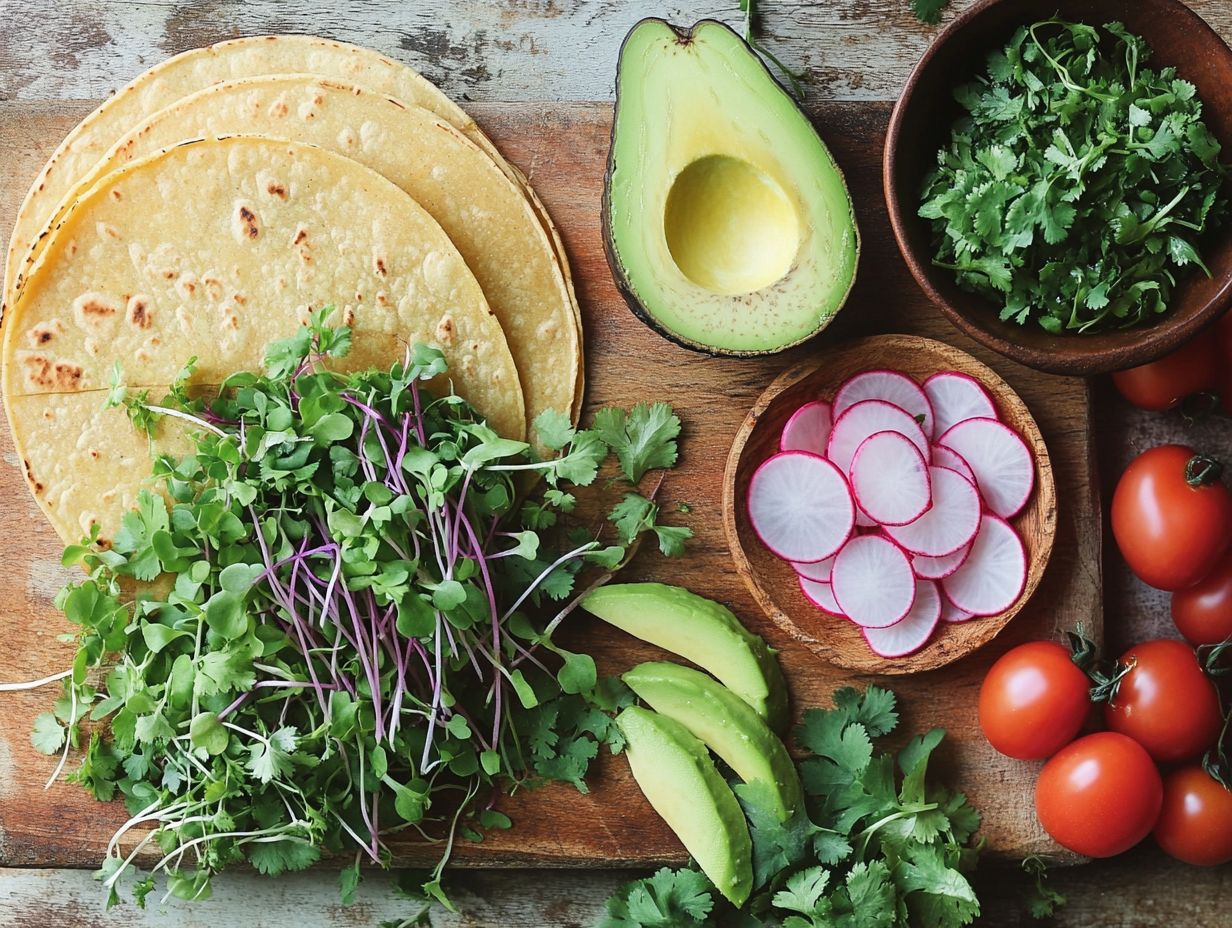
(818, 571)
(872, 581)
(1003, 465)
(893, 387)
(808, 429)
(912, 633)
(949, 524)
(938, 568)
(994, 574)
(889, 479)
(867, 418)
(821, 595)
(800, 506)
(948, 457)
(955, 397)
(952, 614)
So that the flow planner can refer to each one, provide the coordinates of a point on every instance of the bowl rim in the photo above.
(1156, 340)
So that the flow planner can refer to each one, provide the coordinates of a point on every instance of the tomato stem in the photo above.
(1202, 469)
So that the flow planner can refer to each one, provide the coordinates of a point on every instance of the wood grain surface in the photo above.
(504, 50)
(562, 149)
(773, 582)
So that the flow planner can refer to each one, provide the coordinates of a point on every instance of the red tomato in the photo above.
(1033, 701)
(1203, 613)
(1166, 702)
(1100, 795)
(1170, 531)
(1195, 823)
(1192, 368)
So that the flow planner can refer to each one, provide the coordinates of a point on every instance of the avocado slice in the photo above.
(727, 224)
(678, 778)
(725, 723)
(699, 630)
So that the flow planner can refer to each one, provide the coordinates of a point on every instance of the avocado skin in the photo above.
(629, 606)
(724, 723)
(692, 790)
(616, 266)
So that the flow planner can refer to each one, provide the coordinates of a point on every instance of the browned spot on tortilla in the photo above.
(38, 488)
(93, 454)
(359, 297)
(42, 372)
(318, 99)
(280, 109)
(43, 333)
(381, 298)
(445, 330)
(249, 219)
(104, 543)
(139, 313)
(300, 236)
(168, 275)
(97, 308)
(239, 298)
(348, 316)
(380, 266)
(276, 190)
(116, 194)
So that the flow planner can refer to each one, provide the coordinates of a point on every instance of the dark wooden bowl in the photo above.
(773, 582)
(921, 123)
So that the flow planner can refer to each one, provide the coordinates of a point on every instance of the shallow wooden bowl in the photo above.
(773, 583)
(921, 122)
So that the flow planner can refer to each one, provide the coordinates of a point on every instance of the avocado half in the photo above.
(726, 223)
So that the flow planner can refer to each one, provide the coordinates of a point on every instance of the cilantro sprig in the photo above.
(333, 620)
(879, 844)
(1078, 184)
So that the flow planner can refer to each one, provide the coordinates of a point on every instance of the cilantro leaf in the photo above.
(667, 899)
(48, 734)
(644, 438)
(929, 11)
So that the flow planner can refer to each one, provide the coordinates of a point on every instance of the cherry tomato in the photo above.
(1166, 702)
(1195, 823)
(1172, 517)
(1033, 701)
(1203, 613)
(1192, 368)
(1100, 795)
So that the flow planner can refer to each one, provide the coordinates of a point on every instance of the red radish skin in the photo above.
(914, 631)
(800, 506)
(808, 429)
(872, 581)
(947, 457)
(938, 568)
(950, 524)
(818, 572)
(955, 397)
(821, 595)
(890, 480)
(864, 419)
(1003, 465)
(995, 572)
(893, 387)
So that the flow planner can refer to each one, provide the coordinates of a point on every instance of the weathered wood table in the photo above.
(492, 51)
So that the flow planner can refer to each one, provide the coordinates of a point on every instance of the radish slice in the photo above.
(950, 524)
(938, 568)
(952, 614)
(995, 573)
(872, 581)
(889, 479)
(892, 387)
(865, 419)
(808, 429)
(818, 572)
(821, 595)
(1004, 468)
(912, 633)
(800, 506)
(947, 457)
(955, 397)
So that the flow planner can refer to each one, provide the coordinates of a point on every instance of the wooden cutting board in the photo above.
(563, 149)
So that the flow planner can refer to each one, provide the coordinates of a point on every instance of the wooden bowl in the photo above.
(773, 582)
(921, 123)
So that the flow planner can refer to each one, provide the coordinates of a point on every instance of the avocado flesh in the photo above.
(724, 723)
(702, 631)
(727, 223)
(681, 783)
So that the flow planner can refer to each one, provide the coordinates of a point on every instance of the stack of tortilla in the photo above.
(216, 201)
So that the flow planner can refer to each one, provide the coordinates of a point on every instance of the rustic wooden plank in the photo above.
(475, 49)
(563, 148)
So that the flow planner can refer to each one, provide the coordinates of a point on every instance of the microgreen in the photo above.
(879, 844)
(333, 619)
(1075, 189)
